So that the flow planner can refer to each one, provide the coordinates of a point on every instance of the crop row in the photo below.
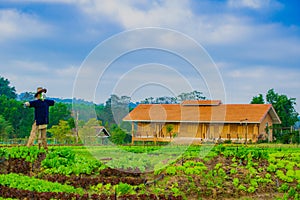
(7, 192)
(29, 154)
(200, 172)
(86, 182)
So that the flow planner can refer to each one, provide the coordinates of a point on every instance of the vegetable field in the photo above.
(187, 172)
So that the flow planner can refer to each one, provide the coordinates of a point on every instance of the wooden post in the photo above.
(246, 132)
(246, 123)
(204, 131)
(132, 132)
(255, 132)
(76, 126)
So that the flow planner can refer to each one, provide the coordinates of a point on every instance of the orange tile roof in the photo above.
(201, 102)
(223, 113)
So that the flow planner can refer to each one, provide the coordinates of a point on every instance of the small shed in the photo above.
(102, 134)
(101, 131)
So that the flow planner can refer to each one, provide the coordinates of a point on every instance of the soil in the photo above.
(194, 186)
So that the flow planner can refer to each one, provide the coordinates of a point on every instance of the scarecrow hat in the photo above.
(39, 91)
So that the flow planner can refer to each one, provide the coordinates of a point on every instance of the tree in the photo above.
(87, 132)
(5, 128)
(259, 99)
(272, 96)
(284, 107)
(149, 100)
(60, 111)
(194, 95)
(7, 90)
(19, 117)
(115, 109)
(118, 135)
(83, 110)
(160, 100)
(61, 132)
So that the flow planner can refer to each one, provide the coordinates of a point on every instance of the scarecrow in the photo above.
(41, 117)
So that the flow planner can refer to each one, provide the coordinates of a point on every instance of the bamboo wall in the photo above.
(232, 131)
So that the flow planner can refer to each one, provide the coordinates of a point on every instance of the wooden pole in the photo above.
(132, 132)
(246, 132)
(76, 126)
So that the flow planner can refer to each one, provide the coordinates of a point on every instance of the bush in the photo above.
(227, 142)
(262, 141)
(296, 137)
(119, 136)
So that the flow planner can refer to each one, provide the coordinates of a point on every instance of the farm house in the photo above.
(202, 120)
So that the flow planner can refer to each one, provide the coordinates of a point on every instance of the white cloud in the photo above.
(244, 45)
(42, 1)
(17, 25)
(244, 82)
(239, 39)
(254, 73)
(207, 28)
(130, 14)
(28, 66)
(68, 71)
(26, 75)
(252, 4)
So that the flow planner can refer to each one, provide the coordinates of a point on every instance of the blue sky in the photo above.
(255, 44)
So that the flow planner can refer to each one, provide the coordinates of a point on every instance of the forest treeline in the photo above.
(16, 121)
